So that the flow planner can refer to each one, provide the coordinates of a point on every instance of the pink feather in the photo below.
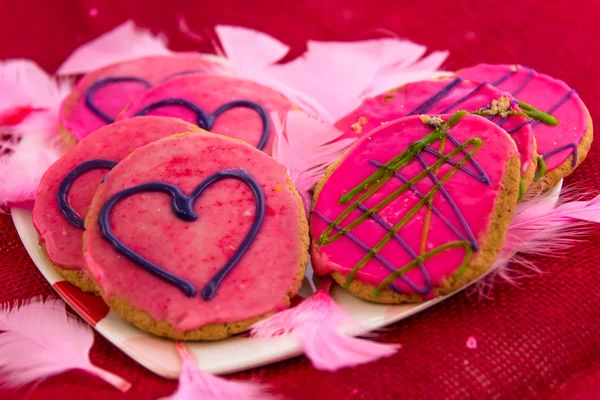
(125, 42)
(22, 170)
(197, 384)
(250, 51)
(306, 149)
(41, 340)
(331, 78)
(376, 65)
(317, 323)
(24, 83)
(26, 91)
(541, 226)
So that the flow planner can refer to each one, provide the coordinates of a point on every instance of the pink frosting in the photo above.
(382, 145)
(61, 239)
(211, 92)
(542, 92)
(404, 100)
(79, 120)
(194, 251)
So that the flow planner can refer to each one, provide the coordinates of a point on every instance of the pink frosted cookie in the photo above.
(197, 237)
(101, 95)
(229, 106)
(66, 189)
(447, 96)
(563, 141)
(418, 207)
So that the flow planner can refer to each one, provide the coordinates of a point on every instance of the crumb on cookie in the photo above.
(501, 106)
(358, 125)
(431, 121)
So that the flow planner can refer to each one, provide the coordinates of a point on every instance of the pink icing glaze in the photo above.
(382, 145)
(542, 92)
(404, 100)
(61, 239)
(211, 92)
(77, 118)
(262, 279)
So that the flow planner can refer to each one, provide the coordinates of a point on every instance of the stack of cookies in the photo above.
(171, 208)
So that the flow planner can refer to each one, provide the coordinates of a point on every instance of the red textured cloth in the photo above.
(538, 340)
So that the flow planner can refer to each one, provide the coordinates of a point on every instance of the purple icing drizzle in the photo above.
(525, 82)
(463, 99)
(483, 177)
(427, 104)
(383, 261)
(436, 97)
(572, 146)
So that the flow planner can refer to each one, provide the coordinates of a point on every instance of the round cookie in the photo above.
(228, 106)
(446, 96)
(417, 208)
(197, 237)
(562, 147)
(60, 226)
(102, 94)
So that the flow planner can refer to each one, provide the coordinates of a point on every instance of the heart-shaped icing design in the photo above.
(63, 190)
(182, 206)
(226, 105)
(262, 280)
(102, 94)
(399, 211)
(91, 92)
(206, 120)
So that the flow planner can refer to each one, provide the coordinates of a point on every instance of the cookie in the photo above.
(102, 94)
(197, 237)
(66, 189)
(442, 97)
(417, 208)
(562, 141)
(229, 106)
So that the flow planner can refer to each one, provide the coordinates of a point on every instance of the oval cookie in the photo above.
(78, 173)
(417, 208)
(102, 94)
(442, 97)
(228, 106)
(562, 147)
(197, 237)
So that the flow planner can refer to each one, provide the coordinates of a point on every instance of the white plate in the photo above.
(226, 356)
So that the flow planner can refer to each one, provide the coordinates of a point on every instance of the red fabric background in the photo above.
(538, 340)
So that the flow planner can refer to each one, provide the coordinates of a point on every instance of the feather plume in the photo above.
(24, 84)
(22, 170)
(377, 65)
(328, 88)
(41, 340)
(306, 146)
(197, 384)
(318, 323)
(29, 104)
(542, 225)
(250, 51)
(125, 42)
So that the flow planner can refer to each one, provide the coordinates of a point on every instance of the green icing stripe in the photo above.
(364, 190)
